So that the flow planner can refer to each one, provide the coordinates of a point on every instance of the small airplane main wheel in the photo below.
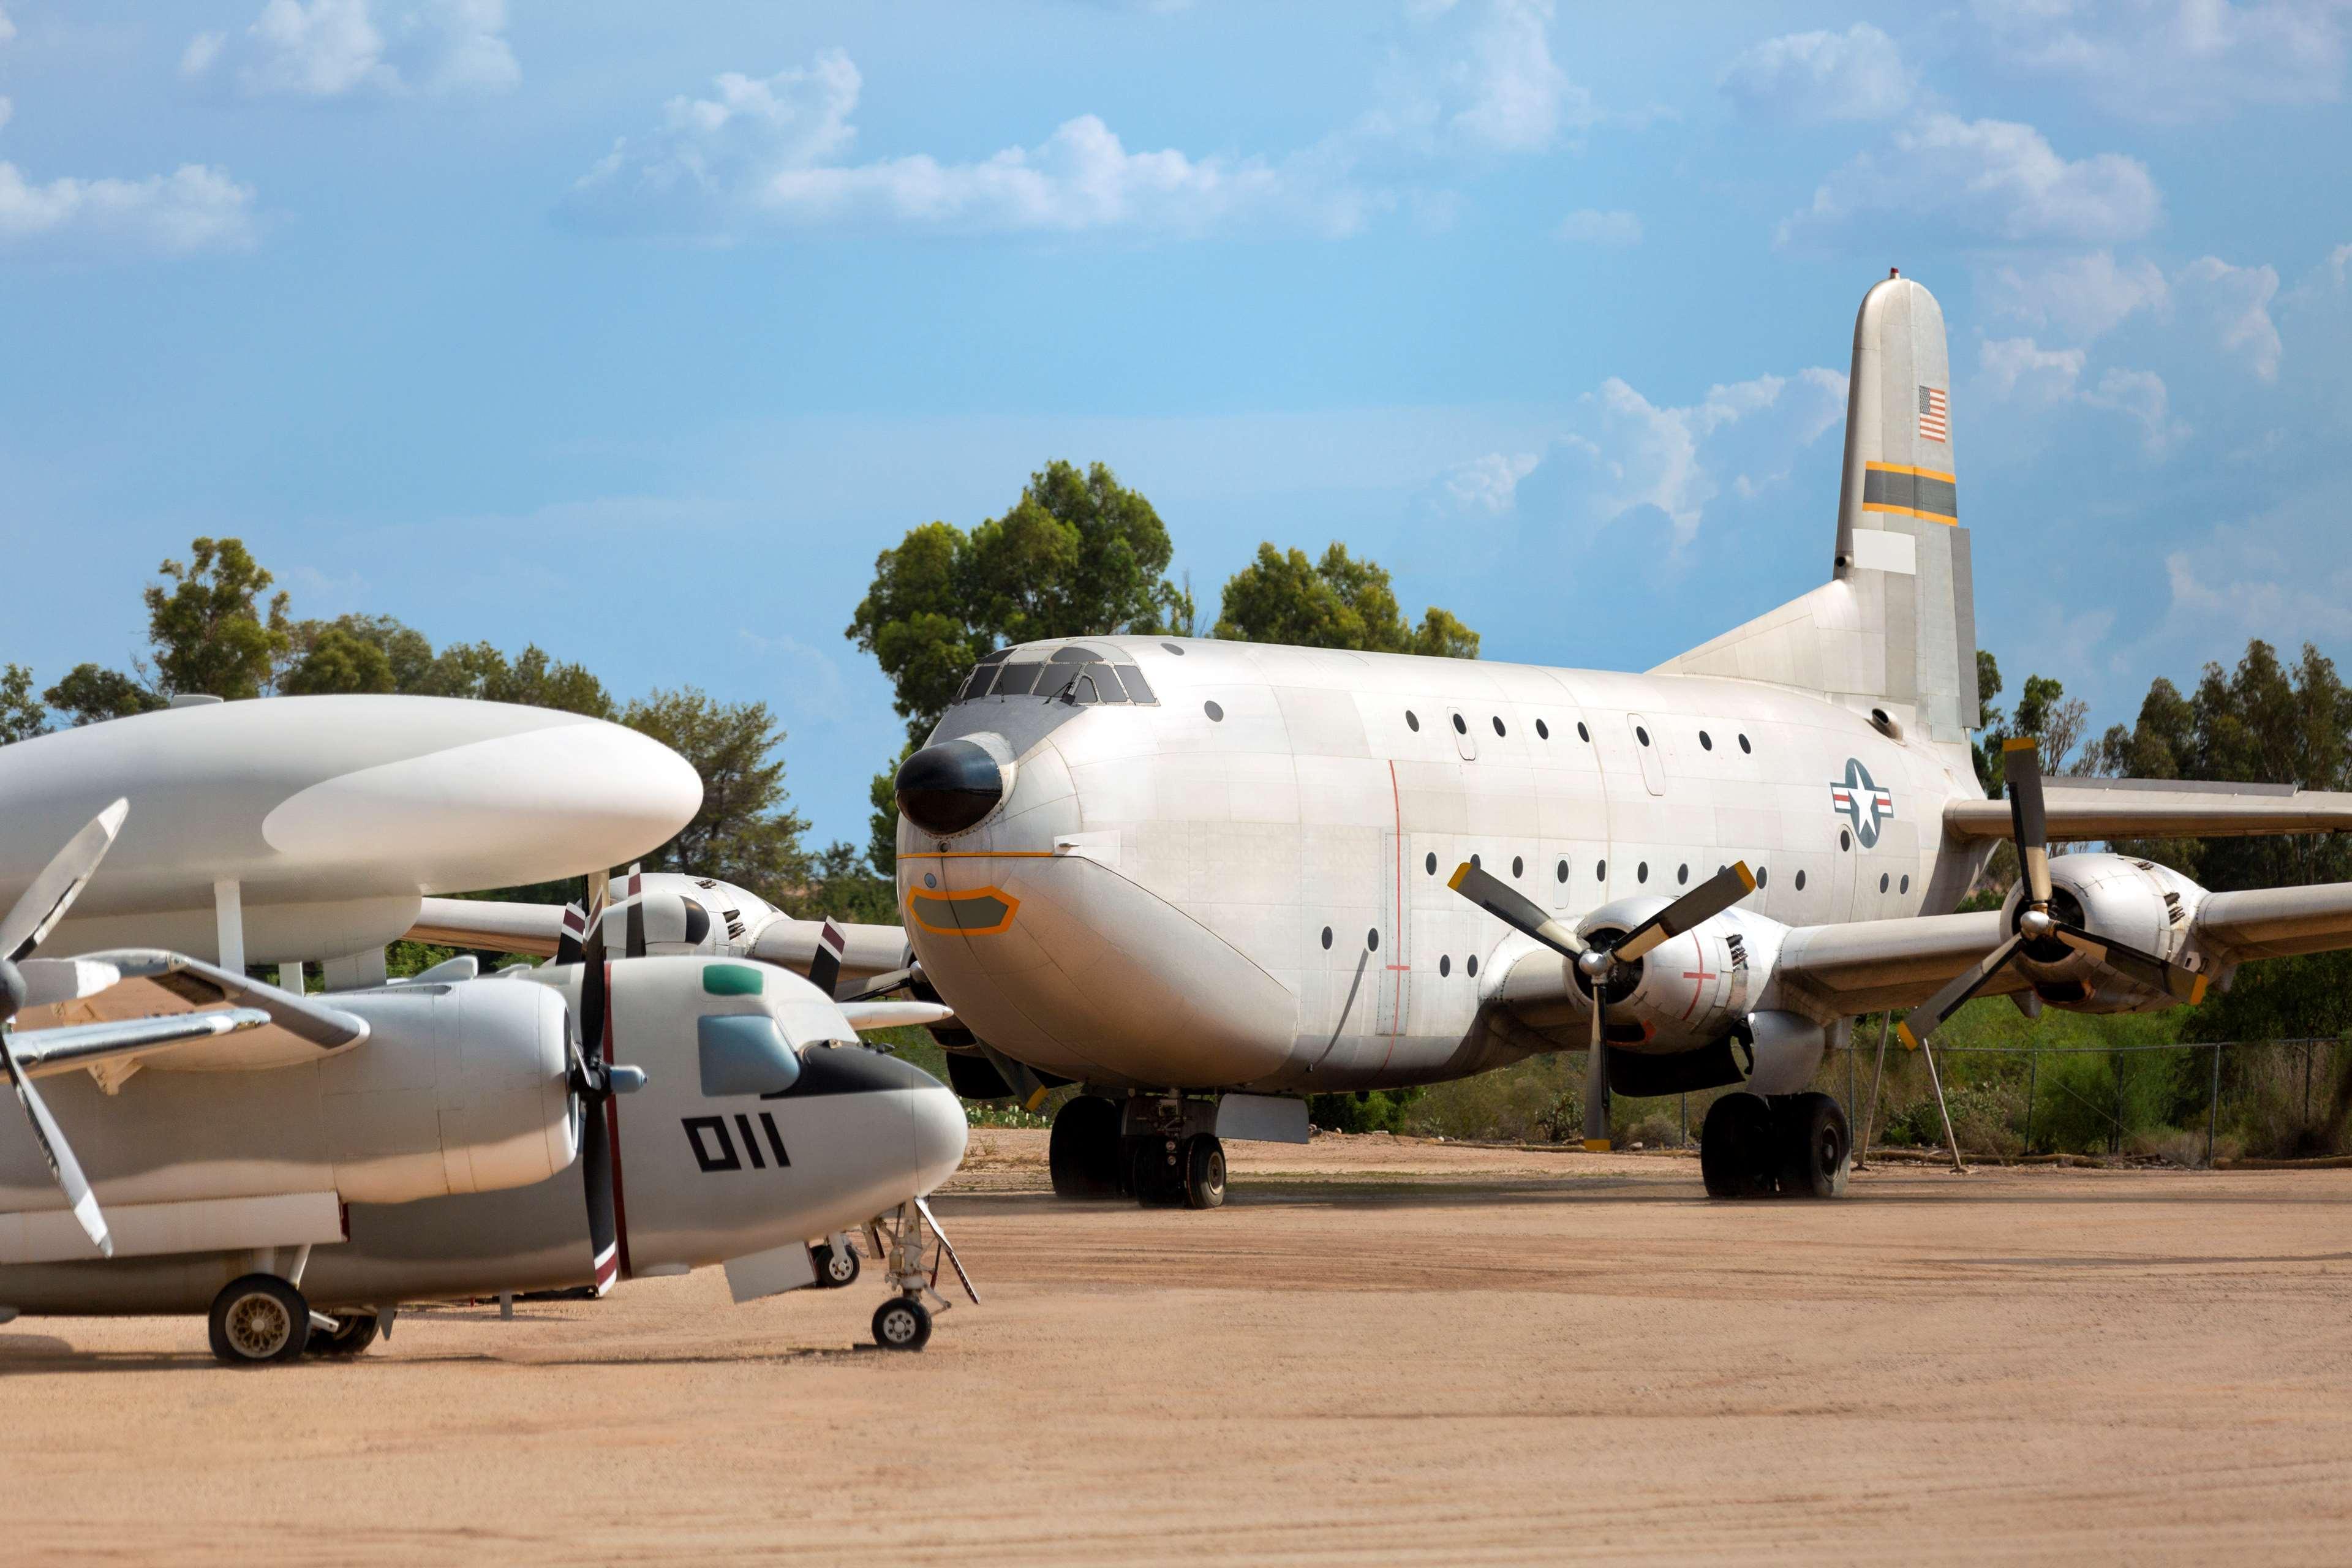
(834, 1268)
(259, 1319)
(902, 1323)
(354, 1331)
(1735, 1152)
(1816, 1146)
(1204, 1172)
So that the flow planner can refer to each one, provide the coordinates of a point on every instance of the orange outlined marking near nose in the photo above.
(997, 896)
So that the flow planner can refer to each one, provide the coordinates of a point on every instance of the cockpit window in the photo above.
(744, 1053)
(1093, 681)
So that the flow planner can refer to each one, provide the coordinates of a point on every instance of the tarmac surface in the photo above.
(1379, 1351)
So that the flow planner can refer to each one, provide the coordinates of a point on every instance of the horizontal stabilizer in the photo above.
(2106, 809)
(170, 992)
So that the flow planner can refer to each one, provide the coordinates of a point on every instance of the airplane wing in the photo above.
(1867, 966)
(173, 1013)
(494, 927)
(2084, 809)
(533, 929)
(2273, 923)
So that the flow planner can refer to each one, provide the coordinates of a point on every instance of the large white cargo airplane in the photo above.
(1203, 879)
(206, 1142)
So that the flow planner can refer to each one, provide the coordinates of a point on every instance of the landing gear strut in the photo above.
(903, 1322)
(1798, 1145)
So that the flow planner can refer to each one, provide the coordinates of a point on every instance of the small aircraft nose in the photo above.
(946, 788)
(940, 1133)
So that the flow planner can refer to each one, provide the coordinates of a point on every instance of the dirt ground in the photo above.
(1379, 1351)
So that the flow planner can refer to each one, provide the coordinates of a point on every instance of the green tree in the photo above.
(843, 886)
(744, 832)
(335, 660)
(89, 693)
(22, 715)
(1078, 554)
(407, 656)
(1336, 602)
(209, 630)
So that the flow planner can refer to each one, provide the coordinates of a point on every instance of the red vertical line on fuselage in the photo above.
(613, 1132)
(1396, 937)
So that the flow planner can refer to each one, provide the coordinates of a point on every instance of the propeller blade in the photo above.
(2176, 981)
(597, 1175)
(2021, 765)
(575, 933)
(594, 975)
(1929, 1016)
(924, 1208)
(824, 968)
(52, 893)
(1701, 904)
(52, 1137)
(1596, 1078)
(1514, 908)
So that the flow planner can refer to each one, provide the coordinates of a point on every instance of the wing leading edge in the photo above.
(2085, 809)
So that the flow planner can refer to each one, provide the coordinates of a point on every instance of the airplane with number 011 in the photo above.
(298, 1166)
(1203, 879)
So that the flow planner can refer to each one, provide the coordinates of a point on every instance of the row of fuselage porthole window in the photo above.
(1600, 874)
(1543, 729)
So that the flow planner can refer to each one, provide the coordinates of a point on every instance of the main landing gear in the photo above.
(1797, 1145)
(1160, 1151)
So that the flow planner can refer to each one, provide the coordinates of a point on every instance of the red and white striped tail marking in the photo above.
(1935, 414)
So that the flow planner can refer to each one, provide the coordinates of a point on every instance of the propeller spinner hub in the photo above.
(2035, 923)
(1595, 962)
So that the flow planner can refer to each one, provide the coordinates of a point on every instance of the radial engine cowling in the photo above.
(2135, 902)
(1687, 991)
(461, 1089)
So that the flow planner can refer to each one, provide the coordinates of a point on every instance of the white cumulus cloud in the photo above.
(335, 49)
(1586, 227)
(1984, 180)
(2175, 60)
(1623, 455)
(2140, 395)
(2234, 302)
(7, 29)
(773, 152)
(2084, 297)
(1818, 76)
(1480, 79)
(2020, 370)
(195, 208)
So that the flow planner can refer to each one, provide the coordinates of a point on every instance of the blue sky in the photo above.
(637, 331)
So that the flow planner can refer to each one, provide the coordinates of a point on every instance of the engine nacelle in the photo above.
(1688, 990)
(461, 1089)
(2137, 903)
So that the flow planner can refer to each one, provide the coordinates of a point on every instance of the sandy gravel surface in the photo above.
(1379, 1351)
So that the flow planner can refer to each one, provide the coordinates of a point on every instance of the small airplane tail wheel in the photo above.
(835, 1266)
(259, 1319)
(902, 1323)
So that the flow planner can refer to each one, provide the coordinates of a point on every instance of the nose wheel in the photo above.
(903, 1322)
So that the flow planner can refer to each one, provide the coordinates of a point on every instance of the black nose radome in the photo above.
(948, 787)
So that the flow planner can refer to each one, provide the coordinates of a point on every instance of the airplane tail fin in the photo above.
(1895, 627)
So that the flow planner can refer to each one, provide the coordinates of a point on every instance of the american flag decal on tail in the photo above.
(1935, 414)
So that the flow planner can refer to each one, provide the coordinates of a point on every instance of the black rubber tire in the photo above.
(902, 1323)
(354, 1331)
(1736, 1148)
(1083, 1151)
(834, 1270)
(1816, 1146)
(1204, 1157)
(258, 1320)
(1154, 1175)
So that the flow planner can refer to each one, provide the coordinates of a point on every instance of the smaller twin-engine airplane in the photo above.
(299, 1167)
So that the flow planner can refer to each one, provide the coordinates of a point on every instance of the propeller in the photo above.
(33, 917)
(824, 967)
(594, 1081)
(1600, 962)
(2037, 922)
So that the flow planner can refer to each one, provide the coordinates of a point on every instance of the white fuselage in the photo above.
(1169, 899)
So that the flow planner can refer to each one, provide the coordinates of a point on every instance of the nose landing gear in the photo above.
(903, 1322)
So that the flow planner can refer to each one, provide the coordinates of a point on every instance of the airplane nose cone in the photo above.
(940, 1131)
(548, 799)
(946, 788)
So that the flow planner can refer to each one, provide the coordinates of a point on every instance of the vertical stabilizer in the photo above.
(1895, 626)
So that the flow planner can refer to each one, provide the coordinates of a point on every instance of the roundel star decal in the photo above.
(1861, 802)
